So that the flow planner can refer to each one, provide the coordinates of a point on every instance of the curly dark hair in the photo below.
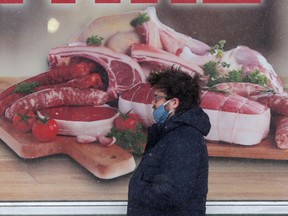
(177, 84)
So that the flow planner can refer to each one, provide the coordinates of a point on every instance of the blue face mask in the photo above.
(160, 114)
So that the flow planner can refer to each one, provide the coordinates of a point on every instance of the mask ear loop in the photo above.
(170, 111)
(166, 102)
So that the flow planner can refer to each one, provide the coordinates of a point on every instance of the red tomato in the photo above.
(45, 130)
(23, 120)
(129, 121)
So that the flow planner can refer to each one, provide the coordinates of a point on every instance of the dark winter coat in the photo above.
(172, 177)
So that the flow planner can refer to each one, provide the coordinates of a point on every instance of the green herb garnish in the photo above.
(257, 78)
(138, 21)
(26, 88)
(218, 48)
(212, 70)
(94, 40)
(235, 76)
(130, 140)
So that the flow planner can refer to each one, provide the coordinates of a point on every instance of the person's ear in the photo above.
(175, 103)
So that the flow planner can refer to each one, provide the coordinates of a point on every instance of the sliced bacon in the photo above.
(53, 97)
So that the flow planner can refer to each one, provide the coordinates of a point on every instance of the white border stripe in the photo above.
(119, 208)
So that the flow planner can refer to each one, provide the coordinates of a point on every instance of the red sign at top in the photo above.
(232, 1)
(107, 1)
(63, 1)
(145, 1)
(11, 1)
(182, 1)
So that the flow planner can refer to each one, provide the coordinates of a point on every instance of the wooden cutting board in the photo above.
(266, 149)
(111, 162)
(103, 162)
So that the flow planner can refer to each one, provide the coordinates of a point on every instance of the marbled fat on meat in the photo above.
(122, 70)
(138, 100)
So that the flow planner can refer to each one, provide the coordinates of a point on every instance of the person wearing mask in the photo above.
(172, 177)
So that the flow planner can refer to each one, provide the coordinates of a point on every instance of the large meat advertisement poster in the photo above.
(84, 64)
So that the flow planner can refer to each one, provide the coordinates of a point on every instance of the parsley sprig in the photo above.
(94, 40)
(26, 88)
(131, 140)
(218, 48)
(212, 70)
(139, 20)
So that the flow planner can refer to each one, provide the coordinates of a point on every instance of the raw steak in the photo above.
(138, 100)
(123, 72)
